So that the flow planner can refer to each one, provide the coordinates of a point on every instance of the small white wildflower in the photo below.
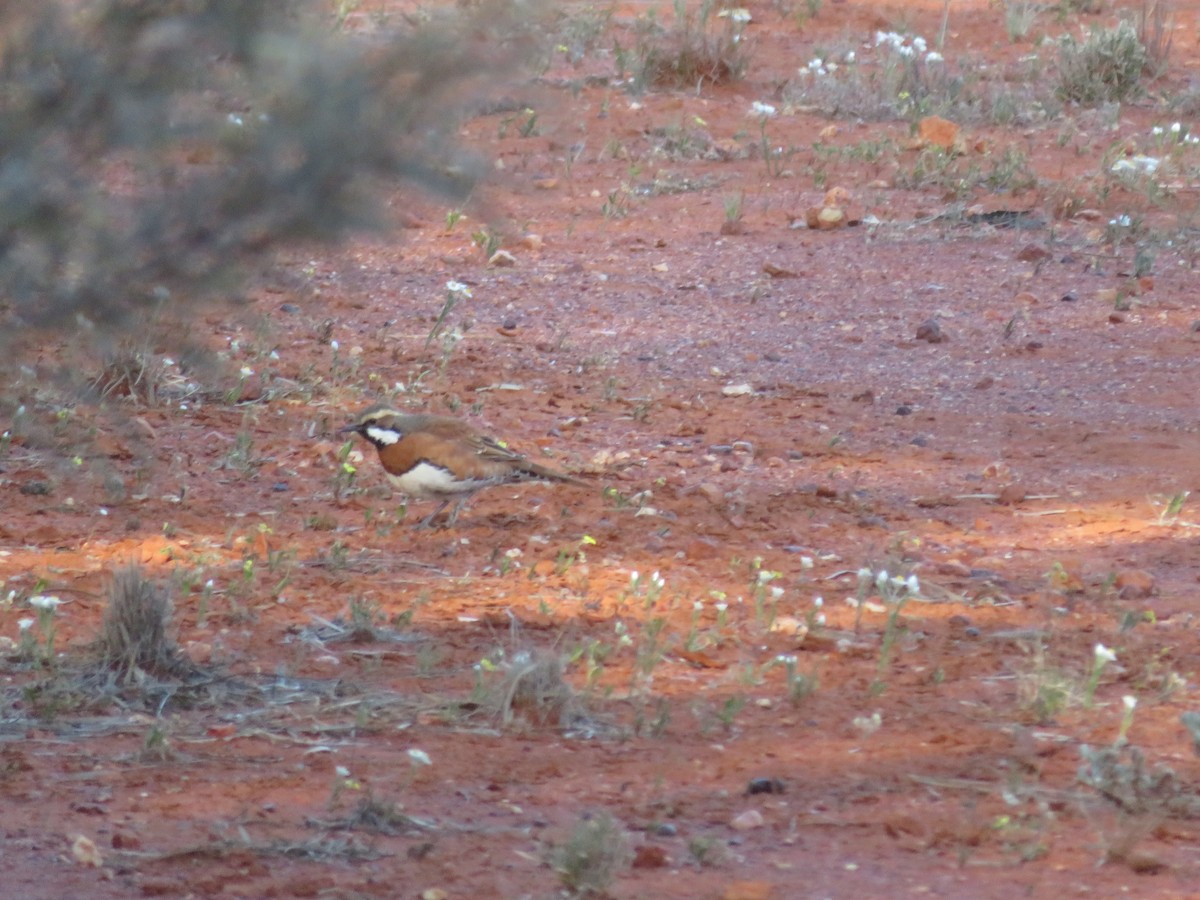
(906, 51)
(1103, 654)
(819, 618)
(419, 757)
(830, 67)
(457, 287)
(24, 624)
(1191, 139)
(849, 57)
(698, 606)
(758, 108)
(786, 658)
(741, 15)
(103, 511)
(334, 346)
(721, 607)
(816, 63)
(865, 574)
(167, 361)
(513, 553)
(342, 772)
(235, 119)
(42, 601)
(246, 371)
(1156, 130)
(1130, 702)
(633, 577)
(1122, 221)
(913, 585)
(919, 44)
(933, 56)
(1176, 128)
(620, 627)
(776, 592)
(274, 354)
(882, 578)
(806, 562)
(818, 601)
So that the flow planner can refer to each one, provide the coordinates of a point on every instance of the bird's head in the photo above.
(380, 424)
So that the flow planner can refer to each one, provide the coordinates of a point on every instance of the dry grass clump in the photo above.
(593, 855)
(135, 639)
(533, 687)
(701, 47)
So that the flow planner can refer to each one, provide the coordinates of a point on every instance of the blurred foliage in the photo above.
(150, 148)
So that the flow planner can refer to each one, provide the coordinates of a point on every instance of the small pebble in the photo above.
(745, 821)
(765, 786)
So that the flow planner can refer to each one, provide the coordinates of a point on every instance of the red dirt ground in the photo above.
(728, 421)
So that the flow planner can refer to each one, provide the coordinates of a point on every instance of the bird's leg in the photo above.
(457, 507)
(427, 522)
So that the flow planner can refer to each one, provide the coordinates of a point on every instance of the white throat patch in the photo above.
(382, 435)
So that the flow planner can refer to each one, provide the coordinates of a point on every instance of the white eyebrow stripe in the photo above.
(382, 435)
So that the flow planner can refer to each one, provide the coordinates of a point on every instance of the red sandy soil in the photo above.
(755, 401)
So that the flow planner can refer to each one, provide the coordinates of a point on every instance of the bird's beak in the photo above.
(352, 428)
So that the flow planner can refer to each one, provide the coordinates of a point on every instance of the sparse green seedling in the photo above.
(649, 589)
(1170, 509)
(707, 851)
(799, 685)
(365, 620)
(650, 651)
(1101, 657)
(204, 604)
(766, 596)
(487, 240)
(1019, 16)
(529, 126)
(728, 712)
(345, 473)
(1128, 707)
(455, 290)
(40, 651)
(156, 746)
(733, 214)
(1045, 690)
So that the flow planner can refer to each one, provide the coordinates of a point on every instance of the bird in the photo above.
(442, 458)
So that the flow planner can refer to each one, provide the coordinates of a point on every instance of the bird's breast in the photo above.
(427, 480)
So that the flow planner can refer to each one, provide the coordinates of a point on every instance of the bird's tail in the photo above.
(532, 470)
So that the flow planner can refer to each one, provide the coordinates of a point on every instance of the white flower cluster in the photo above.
(909, 48)
(1177, 133)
